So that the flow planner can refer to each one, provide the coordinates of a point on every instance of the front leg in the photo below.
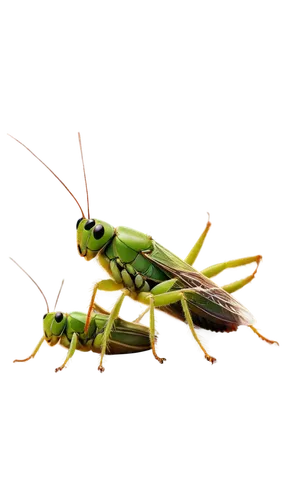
(23, 360)
(103, 285)
(70, 353)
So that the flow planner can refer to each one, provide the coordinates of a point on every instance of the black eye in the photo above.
(44, 316)
(98, 231)
(77, 222)
(89, 224)
(59, 317)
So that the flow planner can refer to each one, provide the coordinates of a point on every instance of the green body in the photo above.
(122, 256)
(140, 264)
(126, 337)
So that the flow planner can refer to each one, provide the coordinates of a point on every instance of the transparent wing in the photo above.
(203, 294)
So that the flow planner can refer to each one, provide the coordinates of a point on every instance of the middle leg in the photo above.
(165, 299)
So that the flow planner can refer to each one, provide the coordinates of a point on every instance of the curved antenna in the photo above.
(84, 173)
(52, 172)
(33, 281)
(60, 289)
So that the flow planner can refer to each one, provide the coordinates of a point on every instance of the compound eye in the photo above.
(77, 222)
(89, 224)
(44, 316)
(59, 317)
(98, 231)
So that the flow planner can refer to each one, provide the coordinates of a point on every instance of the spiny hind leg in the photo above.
(70, 353)
(237, 285)
(23, 360)
(212, 271)
(265, 339)
(165, 299)
(191, 257)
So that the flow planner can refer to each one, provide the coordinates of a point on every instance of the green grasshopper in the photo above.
(152, 275)
(68, 331)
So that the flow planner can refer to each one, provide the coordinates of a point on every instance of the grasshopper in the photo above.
(67, 330)
(149, 273)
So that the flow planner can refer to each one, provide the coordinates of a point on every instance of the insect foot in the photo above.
(19, 360)
(59, 369)
(62, 367)
(161, 360)
(265, 339)
(210, 359)
(275, 343)
(101, 367)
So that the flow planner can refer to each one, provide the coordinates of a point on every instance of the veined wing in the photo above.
(205, 296)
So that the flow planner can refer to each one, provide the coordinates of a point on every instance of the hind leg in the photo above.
(265, 339)
(237, 285)
(191, 257)
(214, 270)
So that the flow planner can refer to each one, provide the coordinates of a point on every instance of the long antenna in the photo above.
(33, 281)
(53, 173)
(84, 173)
(48, 306)
(60, 289)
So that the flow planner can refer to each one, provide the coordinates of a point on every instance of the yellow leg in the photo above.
(106, 285)
(213, 270)
(153, 332)
(23, 360)
(191, 325)
(271, 342)
(70, 353)
(164, 299)
(236, 285)
(137, 320)
(193, 254)
(108, 327)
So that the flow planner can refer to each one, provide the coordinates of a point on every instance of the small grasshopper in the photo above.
(68, 331)
(152, 275)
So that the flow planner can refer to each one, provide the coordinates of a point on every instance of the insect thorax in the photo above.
(124, 260)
